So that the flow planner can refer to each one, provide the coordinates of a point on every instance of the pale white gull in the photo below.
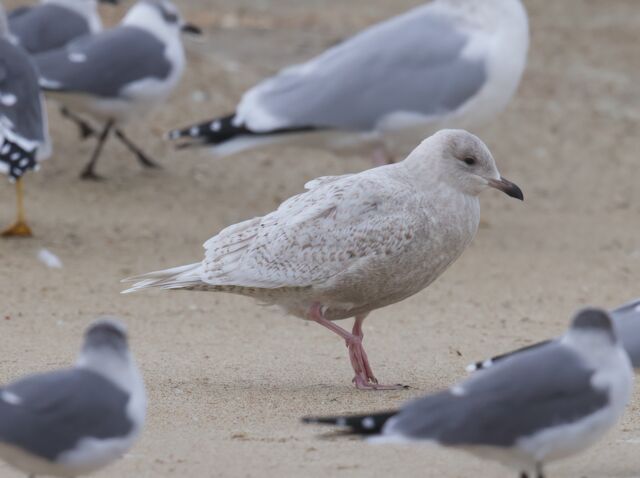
(354, 243)
(445, 64)
(542, 405)
(72, 422)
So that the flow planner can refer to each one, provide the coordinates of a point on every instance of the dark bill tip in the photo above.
(191, 29)
(507, 187)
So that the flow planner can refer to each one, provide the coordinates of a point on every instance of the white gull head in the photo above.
(462, 161)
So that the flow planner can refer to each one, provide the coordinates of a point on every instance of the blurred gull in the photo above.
(626, 321)
(72, 422)
(52, 24)
(543, 405)
(23, 125)
(120, 74)
(354, 243)
(449, 63)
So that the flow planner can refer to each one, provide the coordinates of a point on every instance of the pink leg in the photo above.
(381, 156)
(364, 378)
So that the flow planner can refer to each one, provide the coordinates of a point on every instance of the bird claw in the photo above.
(86, 131)
(88, 175)
(19, 229)
(362, 383)
(147, 163)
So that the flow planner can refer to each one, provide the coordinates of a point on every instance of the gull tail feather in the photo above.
(357, 424)
(183, 277)
(227, 136)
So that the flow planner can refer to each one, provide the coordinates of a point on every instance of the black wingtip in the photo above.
(358, 424)
(220, 130)
(211, 132)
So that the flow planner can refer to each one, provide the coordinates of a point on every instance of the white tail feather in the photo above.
(174, 278)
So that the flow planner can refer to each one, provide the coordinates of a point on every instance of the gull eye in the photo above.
(469, 161)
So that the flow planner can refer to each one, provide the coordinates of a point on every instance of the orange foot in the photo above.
(19, 229)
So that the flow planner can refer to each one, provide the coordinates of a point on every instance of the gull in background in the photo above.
(446, 64)
(119, 75)
(52, 24)
(543, 405)
(626, 321)
(75, 421)
(354, 243)
(23, 123)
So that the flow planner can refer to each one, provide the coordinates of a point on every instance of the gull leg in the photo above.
(20, 228)
(142, 158)
(357, 332)
(381, 156)
(364, 378)
(85, 129)
(88, 172)
(539, 470)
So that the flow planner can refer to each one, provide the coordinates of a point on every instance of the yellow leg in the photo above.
(20, 228)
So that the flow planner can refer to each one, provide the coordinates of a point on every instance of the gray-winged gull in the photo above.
(543, 405)
(626, 320)
(23, 125)
(119, 74)
(72, 422)
(354, 243)
(52, 24)
(446, 64)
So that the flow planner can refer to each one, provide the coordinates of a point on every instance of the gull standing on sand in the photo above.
(119, 75)
(52, 24)
(543, 405)
(72, 422)
(23, 123)
(354, 243)
(626, 321)
(446, 64)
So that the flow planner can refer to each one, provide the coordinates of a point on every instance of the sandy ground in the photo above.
(228, 380)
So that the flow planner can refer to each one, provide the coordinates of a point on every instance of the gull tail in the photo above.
(357, 424)
(183, 277)
(227, 136)
(485, 364)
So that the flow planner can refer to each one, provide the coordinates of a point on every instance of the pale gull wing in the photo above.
(626, 321)
(46, 27)
(104, 64)
(536, 390)
(333, 228)
(49, 414)
(21, 110)
(411, 63)
(314, 183)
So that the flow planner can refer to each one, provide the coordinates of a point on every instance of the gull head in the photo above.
(462, 160)
(106, 334)
(590, 328)
(161, 17)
